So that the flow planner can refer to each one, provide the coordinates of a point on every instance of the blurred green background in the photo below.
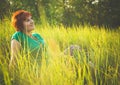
(67, 12)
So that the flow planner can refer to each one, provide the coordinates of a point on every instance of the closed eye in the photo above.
(29, 19)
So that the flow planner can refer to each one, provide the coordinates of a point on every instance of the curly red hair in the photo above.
(18, 17)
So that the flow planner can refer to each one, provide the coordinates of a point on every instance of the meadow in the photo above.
(98, 63)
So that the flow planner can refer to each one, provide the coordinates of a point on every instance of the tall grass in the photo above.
(99, 45)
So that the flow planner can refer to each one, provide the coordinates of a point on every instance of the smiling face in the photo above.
(28, 24)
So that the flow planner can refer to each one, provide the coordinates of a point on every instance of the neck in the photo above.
(28, 33)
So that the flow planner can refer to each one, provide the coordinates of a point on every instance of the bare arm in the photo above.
(15, 50)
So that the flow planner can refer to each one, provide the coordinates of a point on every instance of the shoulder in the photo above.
(16, 35)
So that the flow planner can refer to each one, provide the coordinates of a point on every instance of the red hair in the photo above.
(18, 17)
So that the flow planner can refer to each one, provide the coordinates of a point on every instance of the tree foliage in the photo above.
(67, 12)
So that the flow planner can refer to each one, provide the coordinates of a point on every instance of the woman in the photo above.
(23, 40)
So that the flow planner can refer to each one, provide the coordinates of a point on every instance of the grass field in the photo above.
(99, 45)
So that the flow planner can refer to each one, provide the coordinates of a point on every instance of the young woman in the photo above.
(28, 43)
(23, 40)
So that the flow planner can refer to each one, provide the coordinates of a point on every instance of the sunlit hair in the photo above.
(18, 17)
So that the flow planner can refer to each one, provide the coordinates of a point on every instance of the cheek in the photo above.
(25, 25)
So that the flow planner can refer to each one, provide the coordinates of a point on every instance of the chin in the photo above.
(31, 29)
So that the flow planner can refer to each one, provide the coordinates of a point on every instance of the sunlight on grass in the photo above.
(96, 64)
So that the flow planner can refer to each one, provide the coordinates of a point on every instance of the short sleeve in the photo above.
(16, 36)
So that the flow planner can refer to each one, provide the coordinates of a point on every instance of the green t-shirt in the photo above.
(34, 47)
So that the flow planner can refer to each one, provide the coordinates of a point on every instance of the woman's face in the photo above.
(28, 24)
